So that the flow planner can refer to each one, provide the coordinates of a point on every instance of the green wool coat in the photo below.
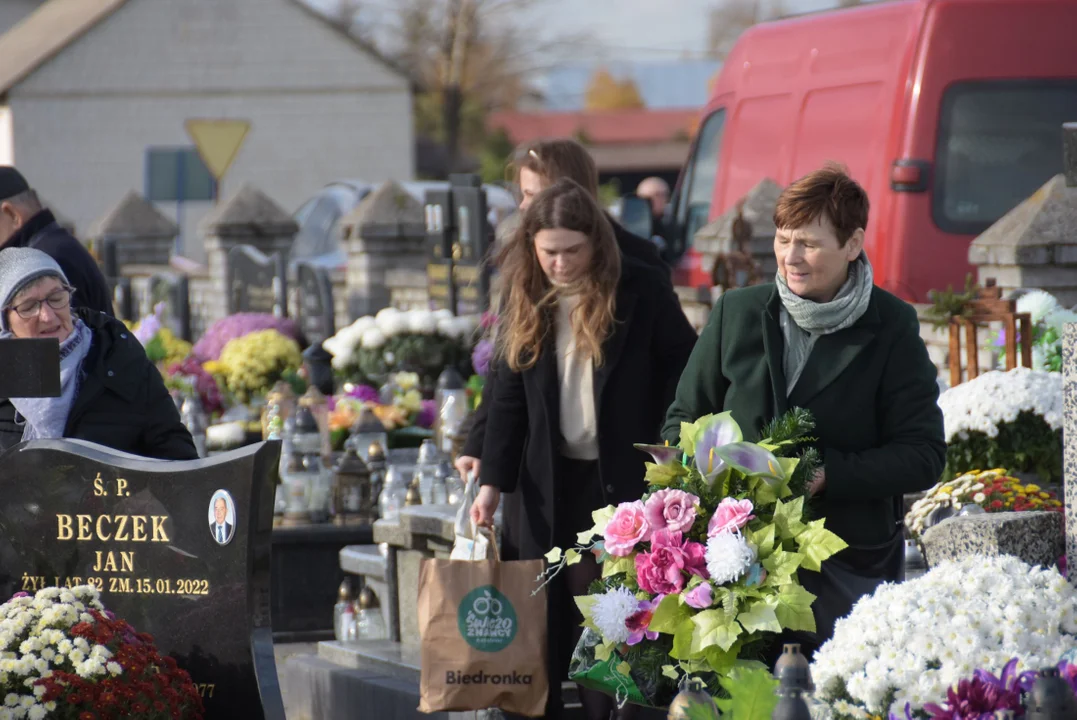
(871, 388)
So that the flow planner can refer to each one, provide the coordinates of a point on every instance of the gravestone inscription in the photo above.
(316, 310)
(181, 550)
(256, 282)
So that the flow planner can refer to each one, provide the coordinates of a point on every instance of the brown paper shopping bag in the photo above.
(483, 636)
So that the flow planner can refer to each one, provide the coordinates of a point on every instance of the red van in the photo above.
(948, 112)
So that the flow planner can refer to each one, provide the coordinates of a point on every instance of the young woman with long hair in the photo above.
(590, 345)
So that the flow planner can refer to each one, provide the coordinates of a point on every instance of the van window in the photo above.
(697, 188)
(999, 142)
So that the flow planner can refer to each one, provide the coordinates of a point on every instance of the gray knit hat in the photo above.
(20, 266)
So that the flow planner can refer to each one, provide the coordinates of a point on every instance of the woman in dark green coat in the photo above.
(824, 338)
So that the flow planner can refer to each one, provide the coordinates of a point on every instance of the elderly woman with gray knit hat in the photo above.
(110, 392)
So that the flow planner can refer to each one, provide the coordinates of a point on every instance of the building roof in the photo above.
(47, 31)
(599, 128)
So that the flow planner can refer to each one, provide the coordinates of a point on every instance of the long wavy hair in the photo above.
(528, 296)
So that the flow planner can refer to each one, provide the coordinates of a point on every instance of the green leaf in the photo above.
(586, 536)
(722, 661)
(602, 518)
(603, 651)
(781, 565)
(752, 694)
(787, 518)
(670, 614)
(572, 556)
(763, 539)
(682, 641)
(714, 628)
(664, 475)
(816, 544)
(614, 565)
(793, 608)
(554, 556)
(670, 671)
(759, 617)
(688, 435)
(624, 668)
(761, 492)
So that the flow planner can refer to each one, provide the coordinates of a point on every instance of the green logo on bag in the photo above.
(487, 620)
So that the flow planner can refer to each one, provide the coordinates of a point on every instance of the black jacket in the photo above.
(650, 345)
(631, 246)
(122, 402)
(44, 233)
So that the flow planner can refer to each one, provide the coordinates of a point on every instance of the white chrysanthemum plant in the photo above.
(702, 569)
(373, 331)
(63, 655)
(908, 643)
(1005, 419)
(1048, 318)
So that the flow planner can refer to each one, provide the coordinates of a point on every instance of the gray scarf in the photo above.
(803, 321)
(47, 417)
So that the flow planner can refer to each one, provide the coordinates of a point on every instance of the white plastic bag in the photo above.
(469, 543)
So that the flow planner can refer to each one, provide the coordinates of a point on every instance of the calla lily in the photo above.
(662, 454)
(713, 433)
(752, 460)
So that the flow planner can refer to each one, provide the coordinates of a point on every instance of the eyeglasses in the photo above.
(57, 300)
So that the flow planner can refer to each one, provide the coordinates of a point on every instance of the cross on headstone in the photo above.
(144, 533)
(256, 282)
(989, 307)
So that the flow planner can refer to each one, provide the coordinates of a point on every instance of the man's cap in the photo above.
(12, 183)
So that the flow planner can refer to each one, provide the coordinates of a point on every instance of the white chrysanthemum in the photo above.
(1037, 303)
(938, 629)
(610, 612)
(113, 668)
(373, 338)
(37, 712)
(995, 397)
(728, 557)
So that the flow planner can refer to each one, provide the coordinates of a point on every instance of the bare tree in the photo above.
(731, 18)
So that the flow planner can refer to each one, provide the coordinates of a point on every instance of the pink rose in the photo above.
(673, 510)
(730, 516)
(664, 570)
(626, 529)
(700, 597)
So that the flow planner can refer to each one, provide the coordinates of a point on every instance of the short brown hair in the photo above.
(555, 159)
(828, 191)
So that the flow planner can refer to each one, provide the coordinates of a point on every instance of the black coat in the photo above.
(644, 357)
(631, 246)
(122, 402)
(45, 234)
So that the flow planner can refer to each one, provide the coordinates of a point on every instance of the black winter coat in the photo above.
(645, 355)
(631, 246)
(122, 402)
(45, 234)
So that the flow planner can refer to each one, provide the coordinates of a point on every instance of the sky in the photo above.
(628, 29)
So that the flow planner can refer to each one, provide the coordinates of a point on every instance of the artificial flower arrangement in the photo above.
(992, 490)
(399, 405)
(62, 655)
(232, 327)
(701, 572)
(249, 365)
(190, 377)
(1005, 419)
(162, 346)
(422, 341)
(1048, 317)
(903, 648)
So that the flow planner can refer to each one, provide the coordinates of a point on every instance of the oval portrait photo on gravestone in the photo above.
(222, 517)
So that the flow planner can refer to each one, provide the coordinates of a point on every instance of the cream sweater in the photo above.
(579, 427)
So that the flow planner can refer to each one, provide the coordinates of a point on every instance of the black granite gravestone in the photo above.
(180, 550)
(316, 310)
(38, 363)
(175, 292)
(256, 282)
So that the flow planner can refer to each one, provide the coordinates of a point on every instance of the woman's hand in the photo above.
(482, 510)
(466, 464)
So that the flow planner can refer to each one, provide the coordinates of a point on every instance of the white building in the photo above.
(94, 95)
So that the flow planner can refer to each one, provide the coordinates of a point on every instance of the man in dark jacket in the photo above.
(25, 223)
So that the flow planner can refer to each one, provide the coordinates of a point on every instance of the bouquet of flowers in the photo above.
(249, 365)
(903, 647)
(65, 656)
(402, 405)
(190, 377)
(161, 344)
(220, 333)
(701, 572)
(422, 341)
(993, 490)
(1005, 419)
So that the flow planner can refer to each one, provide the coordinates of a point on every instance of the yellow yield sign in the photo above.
(217, 142)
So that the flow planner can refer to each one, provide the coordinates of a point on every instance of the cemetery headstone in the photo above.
(256, 282)
(316, 310)
(458, 238)
(175, 292)
(181, 550)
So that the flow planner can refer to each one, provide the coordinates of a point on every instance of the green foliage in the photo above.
(947, 303)
(752, 694)
(420, 353)
(494, 156)
(1027, 444)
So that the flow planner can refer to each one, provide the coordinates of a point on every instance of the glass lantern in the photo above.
(426, 475)
(193, 417)
(318, 405)
(376, 463)
(369, 620)
(368, 430)
(450, 398)
(320, 481)
(296, 485)
(393, 494)
(342, 608)
(279, 408)
(353, 500)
